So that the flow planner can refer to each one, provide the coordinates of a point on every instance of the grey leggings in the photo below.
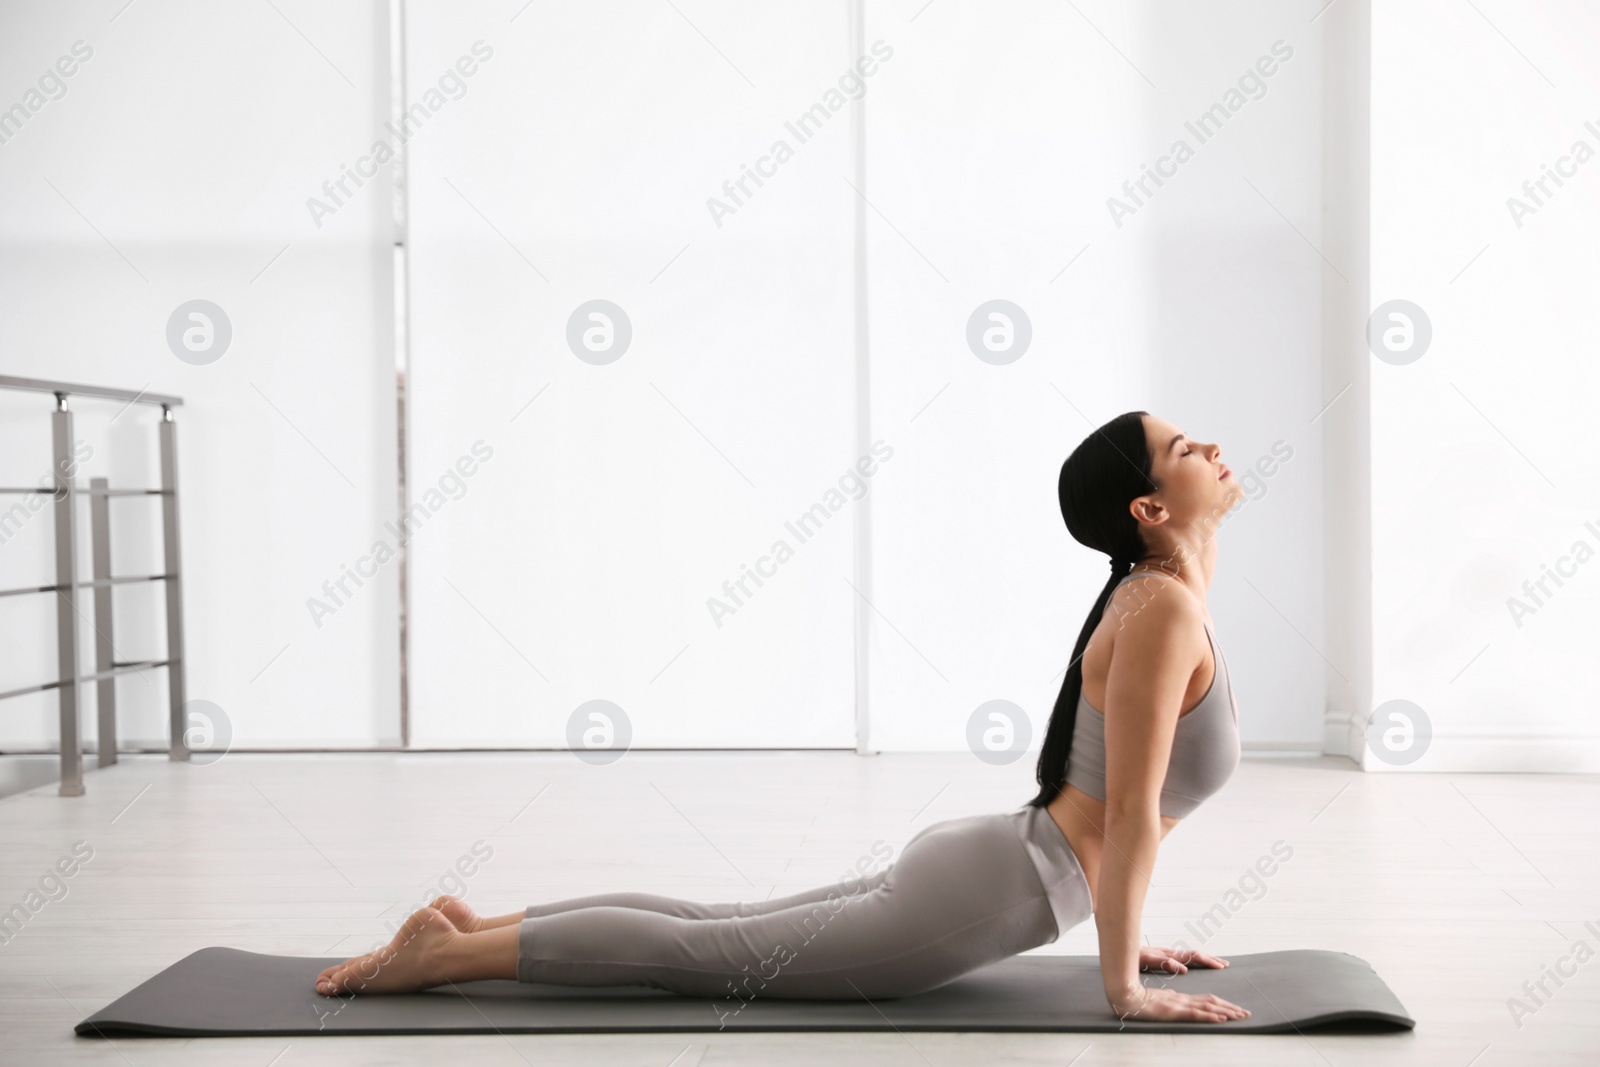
(964, 893)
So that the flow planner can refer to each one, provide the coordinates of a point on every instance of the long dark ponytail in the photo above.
(1107, 470)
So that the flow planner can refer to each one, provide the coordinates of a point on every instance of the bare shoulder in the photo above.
(1153, 609)
(1159, 644)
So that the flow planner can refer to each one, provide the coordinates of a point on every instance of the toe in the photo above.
(456, 910)
(424, 919)
(341, 975)
(328, 973)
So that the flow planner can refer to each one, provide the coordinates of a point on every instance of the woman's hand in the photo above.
(1168, 1005)
(1176, 960)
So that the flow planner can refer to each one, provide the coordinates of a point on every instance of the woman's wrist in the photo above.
(1119, 994)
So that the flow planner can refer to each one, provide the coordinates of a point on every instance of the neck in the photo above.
(1193, 565)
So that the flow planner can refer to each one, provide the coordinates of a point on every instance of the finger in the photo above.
(1229, 1005)
(1213, 1014)
(1218, 1005)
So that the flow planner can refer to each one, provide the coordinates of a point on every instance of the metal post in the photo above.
(66, 598)
(177, 666)
(861, 512)
(400, 170)
(106, 693)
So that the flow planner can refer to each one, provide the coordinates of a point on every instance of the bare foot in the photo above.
(460, 914)
(410, 962)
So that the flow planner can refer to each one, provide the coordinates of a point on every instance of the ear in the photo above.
(1148, 510)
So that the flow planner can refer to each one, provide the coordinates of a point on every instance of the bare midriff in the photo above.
(1082, 820)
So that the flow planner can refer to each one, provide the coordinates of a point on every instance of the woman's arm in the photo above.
(1131, 841)
(1155, 655)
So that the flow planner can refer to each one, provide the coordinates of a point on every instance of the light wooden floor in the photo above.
(1457, 888)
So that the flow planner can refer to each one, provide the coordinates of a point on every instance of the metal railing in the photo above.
(66, 585)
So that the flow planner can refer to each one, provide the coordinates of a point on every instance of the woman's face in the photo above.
(1196, 485)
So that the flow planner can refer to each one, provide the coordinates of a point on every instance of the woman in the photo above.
(965, 892)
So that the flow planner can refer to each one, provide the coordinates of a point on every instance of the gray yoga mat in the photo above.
(226, 992)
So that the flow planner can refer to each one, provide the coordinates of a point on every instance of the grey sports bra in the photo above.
(1205, 745)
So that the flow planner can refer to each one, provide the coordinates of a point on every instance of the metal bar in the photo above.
(106, 687)
(70, 742)
(124, 580)
(116, 669)
(26, 689)
(96, 584)
(176, 687)
(861, 513)
(123, 668)
(61, 389)
(31, 589)
(400, 201)
(82, 491)
(34, 589)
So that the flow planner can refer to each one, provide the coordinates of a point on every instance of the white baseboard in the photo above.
(1477, 752)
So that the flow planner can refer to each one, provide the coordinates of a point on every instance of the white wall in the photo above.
(579, 560)
(1482, 472)
(1346, 378)
(177, 166)
(533, 595)
(993, 150)
(584, 152)
(995, 137)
